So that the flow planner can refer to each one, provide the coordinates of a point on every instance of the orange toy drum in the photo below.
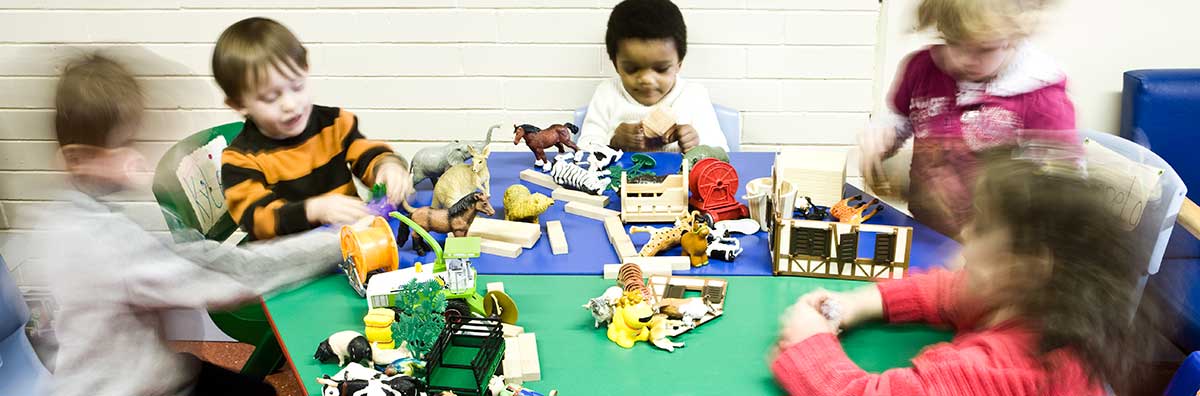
(371, 248)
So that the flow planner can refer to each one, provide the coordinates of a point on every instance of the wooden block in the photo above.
(495, 286)
(558, 238)
(531, 369)
(523, 234)
(677, 263)
(659, 121)
(618, 238)
(611, 271)
(512, 363)
(511, 330)
(540, 179)
(1189, 217)
(563, 194)
(589, 211)
(497, 248)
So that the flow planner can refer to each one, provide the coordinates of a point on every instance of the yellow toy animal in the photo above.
(662, 238)
(520, 205)
(461, 180)
(633, 320)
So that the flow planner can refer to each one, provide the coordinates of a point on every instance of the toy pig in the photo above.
(346, 346)
(520, 205)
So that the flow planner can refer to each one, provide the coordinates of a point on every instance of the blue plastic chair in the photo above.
(21, 373)
(1186, 381)
(729, 119)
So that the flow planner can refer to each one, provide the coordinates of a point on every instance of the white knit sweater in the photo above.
(611, 106)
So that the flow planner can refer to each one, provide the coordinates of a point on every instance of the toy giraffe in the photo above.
(662, 238)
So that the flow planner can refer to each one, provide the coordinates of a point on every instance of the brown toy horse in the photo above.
(455, 220)
(539, 140)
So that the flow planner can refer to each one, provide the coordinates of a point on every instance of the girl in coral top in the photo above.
(1041, 307)
(985, 87)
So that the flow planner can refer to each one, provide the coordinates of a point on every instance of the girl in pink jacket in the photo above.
(985, 87)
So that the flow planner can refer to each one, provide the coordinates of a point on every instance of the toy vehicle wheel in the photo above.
(457, 307)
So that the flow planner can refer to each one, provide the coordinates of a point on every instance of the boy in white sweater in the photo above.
(646, 41)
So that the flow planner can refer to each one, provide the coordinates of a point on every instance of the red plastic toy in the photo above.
(713, 184)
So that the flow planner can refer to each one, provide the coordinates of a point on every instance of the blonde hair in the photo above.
(980, 20)
(247, 48)
(95, 96)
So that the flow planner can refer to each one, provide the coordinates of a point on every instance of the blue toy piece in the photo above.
(1187, 380)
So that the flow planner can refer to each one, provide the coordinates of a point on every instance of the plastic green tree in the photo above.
(421, 307)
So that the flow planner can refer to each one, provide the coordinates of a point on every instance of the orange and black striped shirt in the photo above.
(266, 181)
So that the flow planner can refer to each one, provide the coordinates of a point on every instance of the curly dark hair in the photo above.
(1083, 303)
(645, 19)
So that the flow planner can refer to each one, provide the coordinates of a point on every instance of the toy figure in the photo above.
(460, 180)
(634, 320)
(701, 152)
(384, 357)
(721, 246)
(346, 346)
(686, 310)
(539, 140)
(813, 212)
(695, 245)
(456, 220)
(853, 211)
(520, 205)
(431, 162)
(602, 307)
(665, 238)
(575, 177)
(356, 380)
(601, 157)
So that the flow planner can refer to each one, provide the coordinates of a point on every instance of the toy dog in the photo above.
(346, 346)
(520, 205)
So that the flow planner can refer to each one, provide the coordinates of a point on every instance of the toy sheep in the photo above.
(602, 307)
(520, 205)
(346, 346)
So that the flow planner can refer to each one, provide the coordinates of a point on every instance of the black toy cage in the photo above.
(466, 354)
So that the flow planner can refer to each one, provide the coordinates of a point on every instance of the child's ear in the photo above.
(236, 105)
(76, 154)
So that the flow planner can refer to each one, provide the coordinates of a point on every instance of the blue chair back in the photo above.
(729, 119)
(21, 373)
(1187, 380)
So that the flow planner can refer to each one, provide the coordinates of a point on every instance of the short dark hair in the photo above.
(645, 19)
(247, 48)
(95, 96)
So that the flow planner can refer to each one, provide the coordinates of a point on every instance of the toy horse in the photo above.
(456, 220)
(538, 140)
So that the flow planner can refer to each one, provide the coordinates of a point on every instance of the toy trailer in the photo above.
(654, 202)
(830, 250)
(466, 354)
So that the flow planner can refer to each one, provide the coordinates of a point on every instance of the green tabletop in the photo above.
(725, 356)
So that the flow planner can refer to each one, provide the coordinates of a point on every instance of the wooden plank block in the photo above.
(563, 194)
(589, 211)
(618, 238)
(1189, 217)
(523, 234)
(539, 178)
(558, 238)
(677, 263)
(611, 271)
(512, 363)
(495, 286)
(531, 369)
(497, 248)
(511, 330)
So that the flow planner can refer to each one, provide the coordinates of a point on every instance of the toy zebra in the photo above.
(570, 175)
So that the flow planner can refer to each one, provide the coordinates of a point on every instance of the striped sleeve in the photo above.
(253, 205)
(364, 155)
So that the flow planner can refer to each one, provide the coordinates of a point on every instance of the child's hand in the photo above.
(686, 135)
(397, 179)
(629, 137)
(873, 145)
(801, 321)
(335, 209)
(854, 307)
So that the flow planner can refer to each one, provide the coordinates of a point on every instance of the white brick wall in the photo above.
(420, 72)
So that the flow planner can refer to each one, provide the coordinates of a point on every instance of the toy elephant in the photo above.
(520, 205)
(431, 162)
